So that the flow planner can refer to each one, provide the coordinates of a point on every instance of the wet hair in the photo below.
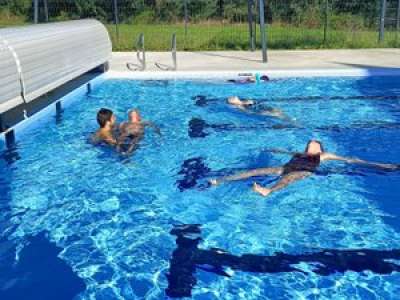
(314, 141)
(133, 111)
(103, 116)
(264, 78)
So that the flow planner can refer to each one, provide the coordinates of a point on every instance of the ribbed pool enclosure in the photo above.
(37, 59)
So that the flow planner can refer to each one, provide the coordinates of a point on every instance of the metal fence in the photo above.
(224, 24)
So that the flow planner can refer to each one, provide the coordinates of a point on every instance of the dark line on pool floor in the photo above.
(203, 101)
(187, 257)
(199, 128)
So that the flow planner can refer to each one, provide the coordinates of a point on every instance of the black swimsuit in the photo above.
(303, 163)
(259, 108)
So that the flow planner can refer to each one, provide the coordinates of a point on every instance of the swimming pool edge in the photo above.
(272, 74)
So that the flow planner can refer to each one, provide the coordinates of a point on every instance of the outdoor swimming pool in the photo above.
(111, 217)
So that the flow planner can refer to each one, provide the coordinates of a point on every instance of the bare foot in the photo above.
(214, 181)
(261, 190)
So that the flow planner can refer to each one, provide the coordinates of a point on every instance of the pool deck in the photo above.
(278, 60)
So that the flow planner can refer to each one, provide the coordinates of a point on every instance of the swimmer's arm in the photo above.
(111, 141)
(153, 126)
(120, 140)
(108, 139)
(132, 147)
(349, 160)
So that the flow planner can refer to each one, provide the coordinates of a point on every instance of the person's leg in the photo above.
(248, 174)
(282, 183)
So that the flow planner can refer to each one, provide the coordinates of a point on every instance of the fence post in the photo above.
(46, 10)
(36, 11)
(262, 30)
(186, 16)
(326, 20)
(116, 19)
(250, 20)
(382, 21)
(398, 16)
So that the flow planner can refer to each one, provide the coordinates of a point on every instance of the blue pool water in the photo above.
(105, 221)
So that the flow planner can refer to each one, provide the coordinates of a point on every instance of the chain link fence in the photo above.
(224, 24)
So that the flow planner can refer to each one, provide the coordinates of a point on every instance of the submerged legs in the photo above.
(248, 174)
(282, 183)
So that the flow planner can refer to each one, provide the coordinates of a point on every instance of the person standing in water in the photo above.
(106, 133)
(302, 165)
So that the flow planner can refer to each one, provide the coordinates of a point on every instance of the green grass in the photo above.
(217, 36)
(7, 19)
(235, 37)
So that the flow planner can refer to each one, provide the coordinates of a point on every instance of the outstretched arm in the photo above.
(331, 156)
(153, 126)
(248, 174)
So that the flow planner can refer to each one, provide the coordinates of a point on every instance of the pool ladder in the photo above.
(174, 66)
(140, 54)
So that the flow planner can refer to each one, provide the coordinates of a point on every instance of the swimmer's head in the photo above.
(105, 117)
(314, 147)
(264, 78)
(234, 100)
(134, 116)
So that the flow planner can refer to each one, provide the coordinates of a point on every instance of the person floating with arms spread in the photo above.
(302, 165)
(252, 107)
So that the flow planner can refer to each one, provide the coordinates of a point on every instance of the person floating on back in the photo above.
(106, 133)
(252, 107)
(302, 165)
(250, 79)
(132, 132)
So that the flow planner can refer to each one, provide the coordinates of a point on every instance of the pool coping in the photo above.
(67, 100)
(273, 74)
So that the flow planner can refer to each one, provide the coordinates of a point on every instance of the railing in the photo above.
(140, 54)
(174, 66)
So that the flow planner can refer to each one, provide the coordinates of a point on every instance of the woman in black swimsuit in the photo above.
(299, 167)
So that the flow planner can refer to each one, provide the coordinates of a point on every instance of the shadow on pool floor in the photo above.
(188, 257)
(38, 274)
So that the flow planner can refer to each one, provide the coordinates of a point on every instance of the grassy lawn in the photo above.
(217, 36)
(8, 19)
(235, 37)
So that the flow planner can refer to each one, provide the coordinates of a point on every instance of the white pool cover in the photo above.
(36, 59)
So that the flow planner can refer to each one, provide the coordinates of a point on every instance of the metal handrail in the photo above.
(174, 66)
(19, 70)
(140, 54)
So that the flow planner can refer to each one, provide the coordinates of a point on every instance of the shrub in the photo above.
(346, 22)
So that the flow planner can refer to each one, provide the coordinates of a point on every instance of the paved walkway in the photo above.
(278, 60)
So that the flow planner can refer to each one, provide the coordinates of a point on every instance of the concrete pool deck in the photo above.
(278, 60)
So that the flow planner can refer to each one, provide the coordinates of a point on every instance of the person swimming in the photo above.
(132, 132)
(252, 107)
(107, 131)
(302, 165)
(250, 79)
